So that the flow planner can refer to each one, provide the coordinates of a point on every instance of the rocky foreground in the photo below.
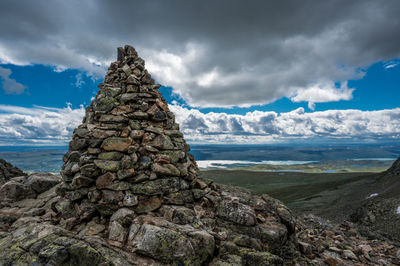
(31, 234)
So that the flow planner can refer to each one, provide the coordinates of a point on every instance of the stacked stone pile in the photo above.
(129, 150)
(128, 177)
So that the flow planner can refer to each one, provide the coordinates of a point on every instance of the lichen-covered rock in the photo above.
(165, 169)
(158, 186)
(45, 244)
(170, 246)
(116, 144)
(237, 212)
(107, 165)
(148, 204)
(105, 180)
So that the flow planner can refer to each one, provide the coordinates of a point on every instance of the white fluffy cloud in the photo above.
(42, 125)
(267, 127)
(38, 125)
(322, 93)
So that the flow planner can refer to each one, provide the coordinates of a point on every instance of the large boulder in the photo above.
(41, 182)
(14, 191)
(23, 187)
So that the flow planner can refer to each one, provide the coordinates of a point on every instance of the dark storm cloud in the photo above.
(212, 51)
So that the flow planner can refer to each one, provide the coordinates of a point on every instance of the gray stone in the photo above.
(110, 91)
(112, 197)
(113, 118)
(110, 156)
(74, 156)
(78, 144)
(144, 161)
(148, 204)
(155, 130)
(122, 110)
(106, 165)
(105, 180)
(179, 198)
(165, 169)
(117, 232)
(40, 182)
(348, 254)
(160, 116)
(162, 142)
(116, 144)
(81, 132)
(123, 216)
(102, 134)
(127, 69)
(169, 246)
(125, 173)
(14, 191)
(105, 104)
(137, 134)
(132, 79)
(81, 181)
(130, 199)
(138, 115)
(158, 186)
(90, 170)
(236, 212)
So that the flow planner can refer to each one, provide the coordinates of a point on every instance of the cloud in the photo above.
(270, 127)
(213, 53)
(391, 64)
(51, 126)
(10, 86)
(42, 125)
(321, 93)
(79, 80)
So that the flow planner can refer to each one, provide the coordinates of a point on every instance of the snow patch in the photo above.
(372, 195)
(398, 210)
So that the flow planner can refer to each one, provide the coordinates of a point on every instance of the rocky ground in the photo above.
(32, 234)
(373, 203)
(31, 231)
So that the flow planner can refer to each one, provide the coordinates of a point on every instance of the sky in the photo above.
(232, 71)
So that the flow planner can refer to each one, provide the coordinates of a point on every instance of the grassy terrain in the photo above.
(293, 188)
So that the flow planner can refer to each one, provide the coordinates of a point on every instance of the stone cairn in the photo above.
(128, 168)
(129, 145)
